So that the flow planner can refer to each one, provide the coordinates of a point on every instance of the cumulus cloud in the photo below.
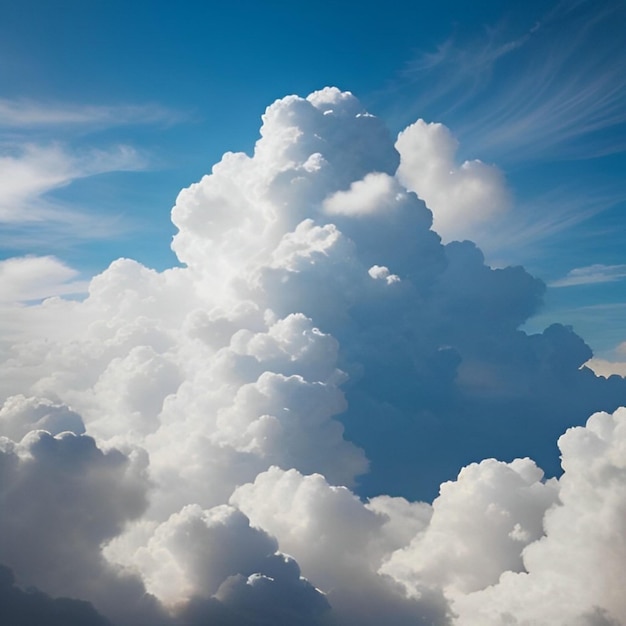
(62, 498)
(340, 542)
(480, 525)
(569, 572)
(364, 196)
(253, 437)
(461, 196)
(20, 415)
(218, 561)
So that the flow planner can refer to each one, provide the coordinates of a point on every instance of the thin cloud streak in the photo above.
(545, 91)
(591, 274)
(29, 172)
(522, 233)
(34, 163)
(29, 114)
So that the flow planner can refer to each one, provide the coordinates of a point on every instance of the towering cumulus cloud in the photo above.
(258, 436)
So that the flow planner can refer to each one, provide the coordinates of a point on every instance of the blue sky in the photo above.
(133, 101)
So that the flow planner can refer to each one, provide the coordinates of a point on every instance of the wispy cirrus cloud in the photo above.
(550, 91)
(46, 146)
(547, 216)
(21, 113)
(532, 94)
(591, 274)
(29, 171)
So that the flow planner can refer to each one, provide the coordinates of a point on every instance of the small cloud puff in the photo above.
(461, 197)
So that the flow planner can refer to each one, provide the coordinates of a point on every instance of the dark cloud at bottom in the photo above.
(31, 607)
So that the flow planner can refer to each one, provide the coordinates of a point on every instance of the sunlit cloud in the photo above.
(300, 423)
(462, 196)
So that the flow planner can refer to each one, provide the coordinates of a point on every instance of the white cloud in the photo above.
(364, 196)
(591, 274)
(479, 528)
(62, 498)
(41, 151)
(569, 573)
(340, 542)
(29, 171)
(566, 85)
(247, 404)
(461, 197)
(23, 113)
(20, 415)
(35, 278)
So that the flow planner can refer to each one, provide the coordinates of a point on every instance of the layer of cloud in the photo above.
(251, 438)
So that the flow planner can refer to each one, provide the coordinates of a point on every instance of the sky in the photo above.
(312, 315)
(133, 103)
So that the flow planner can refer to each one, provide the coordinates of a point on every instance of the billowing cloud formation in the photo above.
(249, 439)
(461, 197)
(569, 574)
